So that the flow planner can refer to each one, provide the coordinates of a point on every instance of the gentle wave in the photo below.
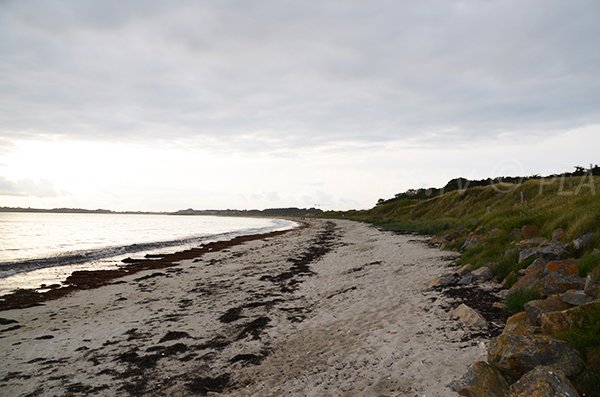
(77, 257)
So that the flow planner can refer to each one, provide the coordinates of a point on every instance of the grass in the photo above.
(515, 301)
(585, 336)
(589, 262)
(585, 333)
(493, 213)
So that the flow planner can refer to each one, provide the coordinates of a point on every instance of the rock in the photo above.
(471, 241)
(576, 297)
(515, 355)
(466, 280)
(481, 380)
(499, 305)
(558, 234)
(556, 323)
(444, 280)
(463, 270)
(561, 276)
(527, 253)
(550, 277)
(530, 243)
(530, 275)
(591, 286)
(543, 381)
(469, 317)
(509, 280)
(482, 274)
(583, 242)
(553, 250)
(530, 231)
(519, 324)
(536, 308)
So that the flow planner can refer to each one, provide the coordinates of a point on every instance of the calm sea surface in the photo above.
(40, 249)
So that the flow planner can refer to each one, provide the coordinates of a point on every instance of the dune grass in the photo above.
(494, 213)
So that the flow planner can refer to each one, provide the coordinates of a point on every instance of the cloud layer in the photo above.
(287, 74)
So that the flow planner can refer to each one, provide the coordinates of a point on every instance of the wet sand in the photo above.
(333, 309)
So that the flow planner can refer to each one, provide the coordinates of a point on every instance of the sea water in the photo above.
(45, 248)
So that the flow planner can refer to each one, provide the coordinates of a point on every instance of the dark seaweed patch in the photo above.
(174, 335)
(254, 328)
(204, 384)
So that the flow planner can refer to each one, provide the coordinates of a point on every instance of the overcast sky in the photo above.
(162, 105)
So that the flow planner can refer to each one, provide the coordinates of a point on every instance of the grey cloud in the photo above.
(27, 188)
(297, 73)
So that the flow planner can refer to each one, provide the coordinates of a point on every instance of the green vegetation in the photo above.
(589, 262)
(492, 214)
(585, 335)
(516, 300)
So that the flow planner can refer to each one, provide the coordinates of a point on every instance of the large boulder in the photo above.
(482, 274)
(481, 380)
(576, 297)
(543, 381)
(469, 317)
(551, 277)
(515, 355)
(553, 250)
(536, 308)
(558, 322)
(520, 324)
(531, 275)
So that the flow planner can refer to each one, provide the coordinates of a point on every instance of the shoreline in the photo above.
(335, 308)
(87, 279)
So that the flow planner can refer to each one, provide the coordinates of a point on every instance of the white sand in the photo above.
(364, 324)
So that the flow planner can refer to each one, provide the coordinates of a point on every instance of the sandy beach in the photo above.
(336, 308)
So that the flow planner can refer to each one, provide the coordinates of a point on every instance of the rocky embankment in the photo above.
(548, 349)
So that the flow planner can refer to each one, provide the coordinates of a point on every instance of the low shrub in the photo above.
(517, 299)
(588, 262)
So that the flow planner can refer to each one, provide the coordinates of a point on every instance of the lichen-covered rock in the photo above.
(576, 297)
(515, 355)
(543, 381)
(536, 308)
(482, 274)
(520, 324)
(469, 317)
(551, 277)
(556, 323)
(481, 380)
(531, 275)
